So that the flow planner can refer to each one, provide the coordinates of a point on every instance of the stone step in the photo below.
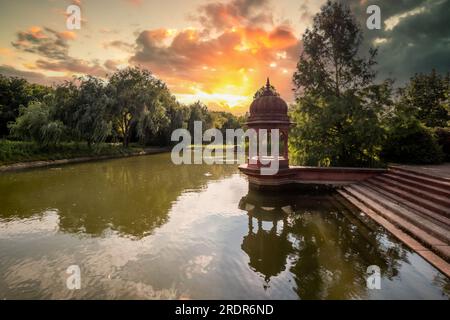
(428, 255)
(429, 240)
(384, 204)
(424, 179)
(410, 206)
(444, 201)
(416, 172)
(430, 205)
(415, 184)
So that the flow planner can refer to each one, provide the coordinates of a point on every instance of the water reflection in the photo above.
(145, 228)
(269, 248)
(321, 241)
(130, 197)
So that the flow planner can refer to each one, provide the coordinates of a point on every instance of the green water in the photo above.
(143, 228)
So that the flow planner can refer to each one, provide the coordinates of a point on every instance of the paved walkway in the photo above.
(438, 170)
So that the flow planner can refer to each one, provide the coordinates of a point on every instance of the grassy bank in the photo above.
(19, 151)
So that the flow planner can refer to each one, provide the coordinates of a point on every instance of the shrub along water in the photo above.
(21, 151)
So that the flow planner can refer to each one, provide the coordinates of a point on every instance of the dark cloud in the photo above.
(53, 49)
(72, 65)
(111, 65)
(33, 77)
(224, 15)
(45, 42)
(119, 44)
(419, 41)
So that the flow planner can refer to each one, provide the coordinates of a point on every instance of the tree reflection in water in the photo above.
(322, 241)
(149, 224)
(130, 196)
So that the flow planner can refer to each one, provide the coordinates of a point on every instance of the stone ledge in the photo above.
(49, 163)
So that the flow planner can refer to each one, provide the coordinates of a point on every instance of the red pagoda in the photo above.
(268, 111)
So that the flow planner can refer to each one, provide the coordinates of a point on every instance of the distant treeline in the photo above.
(131, 105)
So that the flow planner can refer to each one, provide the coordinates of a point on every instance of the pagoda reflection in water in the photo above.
(267, 247)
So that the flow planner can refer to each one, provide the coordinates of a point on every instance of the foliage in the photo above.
(14, 94)
(23, 151)
(226, 120)
(131, 105)
(261, 91)
(198, 112)
(329, 64)
(339, 111)
(134, 94)
(91, 118)
(411, 142)
(443, 139)
(155, 118)
(342, 131)
(34, 124)
(177, 115)
(426, 96)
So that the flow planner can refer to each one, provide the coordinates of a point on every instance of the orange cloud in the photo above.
(6, 52)
(225, 15)
(36, 32)
(68, 35)
(225, 60)
(234, 63)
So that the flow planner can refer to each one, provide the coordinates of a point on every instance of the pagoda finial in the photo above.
(267, 89)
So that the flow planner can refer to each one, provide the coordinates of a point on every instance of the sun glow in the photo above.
(217, 99)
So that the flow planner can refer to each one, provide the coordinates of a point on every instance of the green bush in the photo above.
(22, 151)
(443, 139)
(35, 124)
(411, 142)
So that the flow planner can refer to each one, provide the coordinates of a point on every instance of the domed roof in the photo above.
(268, 107)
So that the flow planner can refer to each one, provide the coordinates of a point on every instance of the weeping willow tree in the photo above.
(136, 101)
(36, 124)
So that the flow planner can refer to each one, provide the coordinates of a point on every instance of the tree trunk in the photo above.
(125, 140)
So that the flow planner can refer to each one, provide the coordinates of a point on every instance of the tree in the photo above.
(154, 119)
(91, 118)
(329, 64)
(34, 123)
(198, 112)
(134, 93)
(178, 116)
(426, 96)
(338, 111)
(409, 141)
(14, 94)
(65, 106)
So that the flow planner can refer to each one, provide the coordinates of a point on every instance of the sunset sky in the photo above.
(219, 52)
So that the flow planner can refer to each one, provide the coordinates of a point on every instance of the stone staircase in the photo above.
(415, 207)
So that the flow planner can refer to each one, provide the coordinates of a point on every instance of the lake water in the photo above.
(143, 228)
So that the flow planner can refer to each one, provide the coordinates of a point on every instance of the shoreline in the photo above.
(19, 166)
